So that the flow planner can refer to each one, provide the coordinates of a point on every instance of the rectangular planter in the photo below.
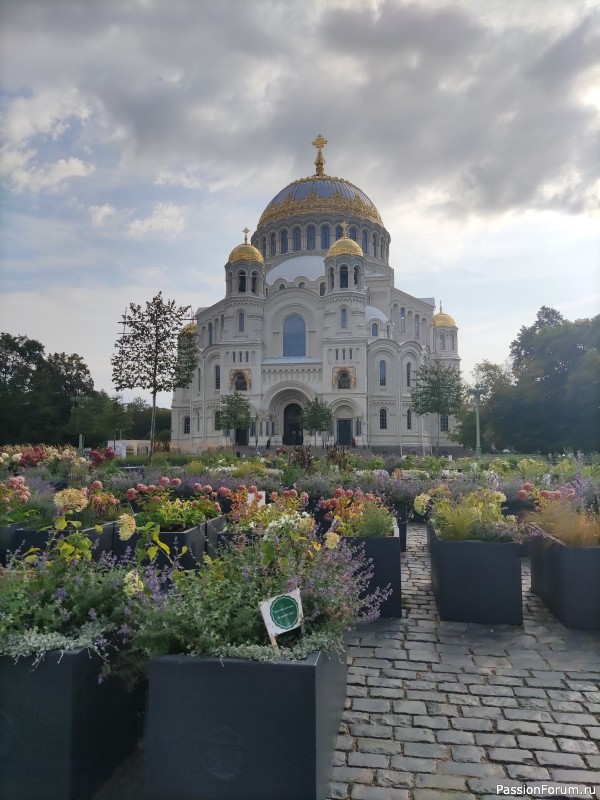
(476, 581)
(567, 580)
(231, 729)
(217, 537)
(62, 733)
(194, 539)
(384, 552)
(19, 537)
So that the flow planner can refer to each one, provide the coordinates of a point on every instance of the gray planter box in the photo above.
(567, 580)
(384, 552)
(476, 581)
(18, 537)
(232, 729)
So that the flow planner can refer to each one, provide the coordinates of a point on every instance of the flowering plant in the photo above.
(90, 504)
(14, 495)
(174, 514)
(558, 514)
(475, 515)
(356, 513)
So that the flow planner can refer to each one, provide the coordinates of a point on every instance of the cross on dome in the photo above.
(246, 231)
(319, 143)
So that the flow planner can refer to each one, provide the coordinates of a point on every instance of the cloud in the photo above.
(26, 176)
(184, 179)
(167, 219)
(102, 214)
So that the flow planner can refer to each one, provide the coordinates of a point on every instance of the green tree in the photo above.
(234, 413)
(154, 352)
(100, 418)
(438, 390)
(20, 357)
(317, 416)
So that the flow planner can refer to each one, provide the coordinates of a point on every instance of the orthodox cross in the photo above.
(345, 229)
(319, 143)
(246, 231)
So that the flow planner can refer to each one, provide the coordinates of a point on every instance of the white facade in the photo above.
(308, 313)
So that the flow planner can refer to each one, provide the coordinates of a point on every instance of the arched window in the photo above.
(343, 381)
(344, 277)
(417, 330)
(281, 287)
(330, 279)
(296, 239)
(402, 320)
(442, 341)
(294, 337)
(452, 342)
(356, 275)
(374, 329)
(325, 237)
(284, 242)
(408, 374)
(242, 282)
(199, 379)
(210, 333)
(302, 285)
(218, 421)
(254, 282)
(263, 246)
(344, 317)
(241, 321)
(321, 290)
(444, 423)
(186, 424)
(229, 279)
(240, 383)
(233, 357)
(409, 420)
(353, 233)
(217, 377)
(382, 419)
(382, 374)
(338, 232)
(375, 245)
(365, 242)
(310, 237)
(273, 244)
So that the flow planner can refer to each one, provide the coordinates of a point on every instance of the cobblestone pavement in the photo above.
(446, 710)
(449, 711)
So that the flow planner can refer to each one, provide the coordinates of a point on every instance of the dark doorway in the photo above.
(292, 429)
(241, 436)
(344, 431)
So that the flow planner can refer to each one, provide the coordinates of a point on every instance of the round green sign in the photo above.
(284, 612)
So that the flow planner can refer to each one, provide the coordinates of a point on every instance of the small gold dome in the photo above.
(246, 252)
(346, 247)
(190, 327)
(441, 320)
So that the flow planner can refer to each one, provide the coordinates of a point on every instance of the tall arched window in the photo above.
(241, 321)
(356, 276)
(452, 342)
(442, 341)
(240, 383)
(409, 420)
(217, 377)
(297, 239)
(310, 237)
(199, 379)
(382, 374)
(344, 317)
(210, 333)
(353, 233)
(229, 280)
(408, 374)
(338, 232)
(325, 237)
(343, 381)
(218, 421)
(186, 424)
(365, 242)
(417, 329)
(330, 279)
(263, 246)
(382, 419)
(402, 320)
(375, 245)
(284, 242)
(242, 282)
(344, 277)
(321, 290)
(273, 244)
(374, 329)
(294, 337)
(254, 282)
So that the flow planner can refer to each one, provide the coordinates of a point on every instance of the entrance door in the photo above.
(344, 431)
(241, 436)
(292, 429)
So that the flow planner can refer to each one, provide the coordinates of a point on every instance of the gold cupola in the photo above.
(344, 246)
(441, 320)
(246, 251)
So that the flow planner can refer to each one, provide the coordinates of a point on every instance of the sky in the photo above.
(139, 138)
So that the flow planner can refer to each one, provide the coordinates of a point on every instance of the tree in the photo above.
(317, 416)
(19, 359)
(154, 352)
(235, 412)
(523, 348)
(99, 418)
(438, 390)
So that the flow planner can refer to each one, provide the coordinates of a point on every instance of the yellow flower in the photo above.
(132, 583)
(126, 527)
(316, 545)
(71, 500)
(331, 540)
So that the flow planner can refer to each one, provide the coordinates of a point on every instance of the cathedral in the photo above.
(311, 311)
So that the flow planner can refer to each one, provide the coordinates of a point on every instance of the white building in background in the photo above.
(311, 310)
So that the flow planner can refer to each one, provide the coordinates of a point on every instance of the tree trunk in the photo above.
(153, 425)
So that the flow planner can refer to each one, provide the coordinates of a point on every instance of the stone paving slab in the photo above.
(451, 711)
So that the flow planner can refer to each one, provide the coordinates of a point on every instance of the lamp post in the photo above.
(78, 401)
(477, 391)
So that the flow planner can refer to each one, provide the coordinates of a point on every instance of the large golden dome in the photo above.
(346, 247)
(246, 252)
